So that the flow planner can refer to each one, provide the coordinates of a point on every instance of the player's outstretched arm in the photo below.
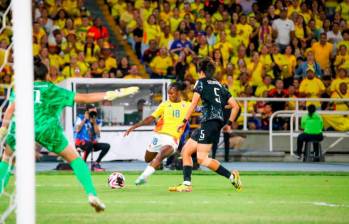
(89, 97)
(147, 121)
(109, 95)
(194, 102)
(6, 120)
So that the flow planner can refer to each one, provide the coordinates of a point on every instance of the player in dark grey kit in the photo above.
(214, 98)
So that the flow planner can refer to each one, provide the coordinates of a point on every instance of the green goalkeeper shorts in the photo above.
(50, 136)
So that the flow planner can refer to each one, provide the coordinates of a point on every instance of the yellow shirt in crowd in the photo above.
(336, 82)
(313, 87)
(322, 54)
(160, 64)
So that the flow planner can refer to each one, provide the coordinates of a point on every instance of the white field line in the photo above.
(313, 203)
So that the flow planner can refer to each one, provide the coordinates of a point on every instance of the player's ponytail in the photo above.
(206, 65)
(40, 69)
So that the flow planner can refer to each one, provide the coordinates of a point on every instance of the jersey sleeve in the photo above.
(63, 97)
(199, 87)
(159, 111)
(225, 95)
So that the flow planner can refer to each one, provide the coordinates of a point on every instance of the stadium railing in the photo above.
(297, 102)
(294, 132)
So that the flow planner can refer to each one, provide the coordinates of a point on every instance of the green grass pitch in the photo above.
(266, 198)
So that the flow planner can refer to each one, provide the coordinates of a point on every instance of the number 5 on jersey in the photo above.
(217, 98)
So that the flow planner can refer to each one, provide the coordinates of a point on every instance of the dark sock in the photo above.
(187, 173)
(223, 171)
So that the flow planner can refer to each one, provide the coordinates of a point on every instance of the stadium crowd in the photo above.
(271, 48)
(279, 48)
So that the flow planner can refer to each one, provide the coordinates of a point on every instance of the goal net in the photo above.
(20, 194)
(7, 195)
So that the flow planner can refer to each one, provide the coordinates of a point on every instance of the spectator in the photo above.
(342, 93)
(138, 38)
(301, 71)
(342, 77)
(334, 36)
(181, 43)
(284, 30)
(133, 73)
(151, 31)
(266, 86)
(278, 92)
(342, 58)
(290, 62)
(202, 49)
(166, 37)
(244, 30)
(55, 76)
(123, 68)
(181, 67)
(323, 51)
(291, 91)
(224, 46)
(98, 30)
(265, 31)
(150, 53)
(106, 54)
(161, 64)
(256, 70)
(312, 124)
(91, 50)
(72, 69)
(87, 133)
(211, 37)
(266, 114)
(311, 87)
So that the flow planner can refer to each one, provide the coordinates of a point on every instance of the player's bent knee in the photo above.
(204, 160)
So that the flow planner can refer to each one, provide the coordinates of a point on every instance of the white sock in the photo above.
(187, 183)
(231, 178)
(147, 172)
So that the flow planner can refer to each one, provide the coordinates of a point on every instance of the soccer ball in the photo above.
(116, 180)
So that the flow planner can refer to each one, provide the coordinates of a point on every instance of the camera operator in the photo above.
(87, 132)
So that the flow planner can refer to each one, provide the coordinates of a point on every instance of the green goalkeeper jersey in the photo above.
(49, 101)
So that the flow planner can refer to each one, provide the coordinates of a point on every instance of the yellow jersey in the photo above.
(170, 116)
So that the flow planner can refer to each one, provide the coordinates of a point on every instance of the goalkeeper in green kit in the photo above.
(49, 101)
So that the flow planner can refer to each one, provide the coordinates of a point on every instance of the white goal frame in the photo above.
(23, 68)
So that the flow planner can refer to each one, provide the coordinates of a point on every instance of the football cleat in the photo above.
(140, 181)
(236, 181)
(96, 203)
(180, 188)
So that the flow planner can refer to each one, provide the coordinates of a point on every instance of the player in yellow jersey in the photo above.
(164, 143)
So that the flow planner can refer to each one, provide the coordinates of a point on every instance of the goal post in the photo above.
(23, 69)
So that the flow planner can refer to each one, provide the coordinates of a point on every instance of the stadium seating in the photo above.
(251, 48)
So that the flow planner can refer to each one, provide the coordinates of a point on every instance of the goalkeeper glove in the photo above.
(118, 93)
(3, 132)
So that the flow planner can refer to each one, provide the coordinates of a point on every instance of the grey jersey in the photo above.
(214, 97)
